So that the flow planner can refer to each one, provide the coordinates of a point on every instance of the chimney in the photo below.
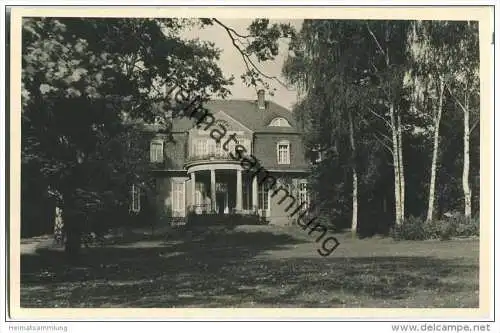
(261, 99)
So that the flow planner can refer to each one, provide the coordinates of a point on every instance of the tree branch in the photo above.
(383, 143)
(375, 39)
(380, 117)
(456, 99)
(474, 126)
(234, 31)
(386, 93)
(249, 64)
(384, 136)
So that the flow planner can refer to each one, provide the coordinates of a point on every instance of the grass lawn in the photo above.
(254, 267)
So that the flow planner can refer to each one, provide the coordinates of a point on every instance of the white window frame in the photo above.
(204, 147)
(178, 195)
(218, 148)
(286, 158)
(198, 194)
(303, 192)
(279, 122)
(263, 197)
(212, 147)
(135, 205)
(155, 154)
(201, 147)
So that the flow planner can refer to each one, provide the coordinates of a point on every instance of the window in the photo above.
(177, 196)
(201, 147)
(198, 195)
(279, 122)
(263, 196)
(136, 199)
(156, 151)
(218, 148)
(283, 151)
(303, 193)
(211, 147)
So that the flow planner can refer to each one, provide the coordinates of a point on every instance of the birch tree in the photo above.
(432, 58)
(388, 65)
(464, 89)
(354, 219)
(443, 55)
(325, 68)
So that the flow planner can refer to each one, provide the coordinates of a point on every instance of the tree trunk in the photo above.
(435, 150)
(58, 226)
(354, 223)
(73, 222)
(395, 155)
(401, 169)
(466, 166)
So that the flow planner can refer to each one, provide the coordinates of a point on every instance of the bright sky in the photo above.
(231, 62)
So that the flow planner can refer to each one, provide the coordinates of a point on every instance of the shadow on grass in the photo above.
(221, 271)
(135, 262)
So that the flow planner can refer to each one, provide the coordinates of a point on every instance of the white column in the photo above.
(239, 194)
(212, 188)
(254, 192)
(193, 190)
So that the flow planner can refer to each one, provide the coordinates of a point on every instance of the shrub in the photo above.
(447, 229)
(433, 229)
(411, 229)
(415, 228)
(466, 228)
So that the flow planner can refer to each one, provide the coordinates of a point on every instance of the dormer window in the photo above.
(279, 122)
(283, 152)
(156, 151)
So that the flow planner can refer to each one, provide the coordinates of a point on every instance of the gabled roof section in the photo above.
(233, 123)
(244, 112)
(247, 113)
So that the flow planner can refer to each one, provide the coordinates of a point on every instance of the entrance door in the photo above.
(220, 202)
(221, 199)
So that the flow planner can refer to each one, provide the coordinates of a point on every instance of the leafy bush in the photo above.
(447, 229)
(433, 229)
(411, 229)
(415, 228)
(466, 228)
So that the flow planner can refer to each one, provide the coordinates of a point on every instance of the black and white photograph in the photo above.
(224, 162)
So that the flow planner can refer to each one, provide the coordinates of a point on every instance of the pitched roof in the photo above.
(247, 113)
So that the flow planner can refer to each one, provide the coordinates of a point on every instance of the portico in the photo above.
(222, 188)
